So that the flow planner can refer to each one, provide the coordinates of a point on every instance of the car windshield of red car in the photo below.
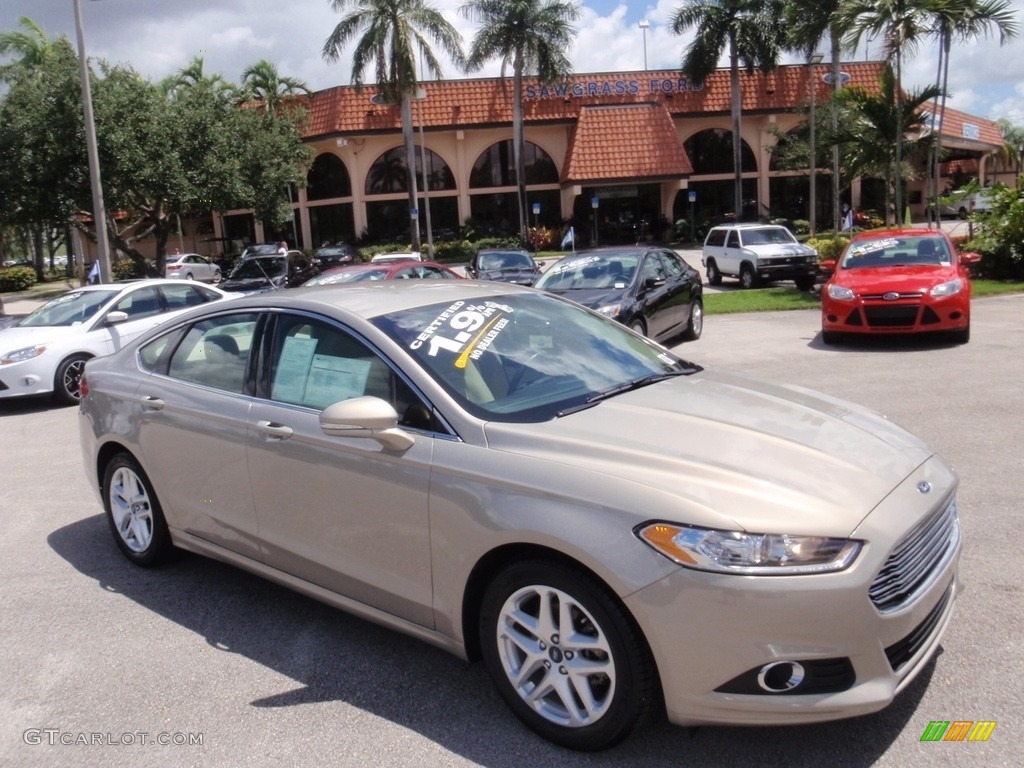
(897, 251)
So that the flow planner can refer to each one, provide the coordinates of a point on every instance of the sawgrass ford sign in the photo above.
(611, 87)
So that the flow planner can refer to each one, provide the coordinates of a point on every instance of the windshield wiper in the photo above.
(628, 386)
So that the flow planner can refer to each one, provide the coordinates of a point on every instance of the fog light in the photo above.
(780, 676)
(29, 381)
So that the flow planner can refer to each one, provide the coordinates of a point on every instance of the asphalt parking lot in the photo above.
(98, 651)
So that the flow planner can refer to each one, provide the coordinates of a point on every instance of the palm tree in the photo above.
(748, 30)
(809, 22)
(30, 48)
(965, 20)
(390, 34)
(192, 76)
(874, 127)
(263, 82)
(531, 36)
(901, 24)
(1013, 146)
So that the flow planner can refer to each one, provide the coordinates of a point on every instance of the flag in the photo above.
(848, 221)
(570, 237)
(94, 273)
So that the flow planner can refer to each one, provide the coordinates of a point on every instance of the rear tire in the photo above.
(217, 276)
(638, 326)
(565, 655)
(134, 513)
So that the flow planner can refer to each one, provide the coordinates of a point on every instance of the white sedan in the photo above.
(45, 352)
(191, 266)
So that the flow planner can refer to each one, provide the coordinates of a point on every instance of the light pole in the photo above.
(99, 213)
(536, 223)
(645, 25)
(594, 203)
(813, 60)
(421, 94)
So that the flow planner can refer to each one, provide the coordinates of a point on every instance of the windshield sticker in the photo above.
(873, 247)
(574, 264)
(466, 330)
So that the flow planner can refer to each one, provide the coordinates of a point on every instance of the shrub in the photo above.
(829, 247)
(17, 278)
(1000, 237)
(125, 270)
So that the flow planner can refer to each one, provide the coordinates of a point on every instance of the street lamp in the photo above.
(813, 59)
(594, 203)
(421, 94)
(99, 213)
(536, 222)
(645, 25)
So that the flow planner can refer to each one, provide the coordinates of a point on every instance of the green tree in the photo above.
(263, 82)
(531, 36)
(30, 48)
(750, 31)
(873, 127)
(390, 32)
(1013, 145)
(964, 21)
(901, 25)
(43, 176)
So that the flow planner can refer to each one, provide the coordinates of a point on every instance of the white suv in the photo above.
(757, 253)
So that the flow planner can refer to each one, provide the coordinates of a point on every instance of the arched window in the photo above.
(710, 152)
(387, 175)
(328, 178)
(496, 167)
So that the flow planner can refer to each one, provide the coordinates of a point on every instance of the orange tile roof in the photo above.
(960, 125)
(645, 141)
(488, 102)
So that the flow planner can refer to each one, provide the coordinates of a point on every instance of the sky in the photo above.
(159, 37)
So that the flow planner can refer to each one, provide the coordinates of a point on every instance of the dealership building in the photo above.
(616, 154)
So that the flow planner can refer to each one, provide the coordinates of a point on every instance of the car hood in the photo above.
(724, 451)
(917, 278)
(18, 338)
(250, 285)
(782, 249)
(510, 274)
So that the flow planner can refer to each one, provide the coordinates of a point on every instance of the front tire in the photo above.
(714, 275)
(804, 283)
(217, 277)
(696, 325)
(748, 279)
(67, 381)
(565, 656)
(831, 337)
(134, 513)
(638, 326)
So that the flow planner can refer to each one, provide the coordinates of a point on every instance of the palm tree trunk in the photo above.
(898, 170)
(410, 166)
(519, 146)
(932, 176)
(946, 46)
(737, 141)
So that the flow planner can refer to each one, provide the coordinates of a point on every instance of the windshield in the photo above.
(526, 357)
(505, 260)
(590, 271)
(70, 309)
(348, 276)
(262, 267)
(897, 251)
(263, 249)
(767, 236)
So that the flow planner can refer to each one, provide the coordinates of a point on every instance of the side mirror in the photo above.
(653, 282)
(970, 258)
(365, 417)
(828, 265)
(115, 317)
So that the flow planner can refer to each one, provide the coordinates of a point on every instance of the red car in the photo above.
(391, 270)
(898, 281)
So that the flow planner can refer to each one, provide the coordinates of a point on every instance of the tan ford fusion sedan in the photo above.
(509, 476)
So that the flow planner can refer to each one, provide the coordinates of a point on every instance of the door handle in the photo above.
(152, 403)
(276, 431)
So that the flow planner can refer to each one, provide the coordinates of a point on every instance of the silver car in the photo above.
(614, 531)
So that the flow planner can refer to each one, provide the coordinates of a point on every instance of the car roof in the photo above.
(749, 225)
(371, 299)
(875, 234)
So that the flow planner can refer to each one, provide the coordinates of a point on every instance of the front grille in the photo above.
(915, 561)
(891, 317)
(902, 651)
(881, 296)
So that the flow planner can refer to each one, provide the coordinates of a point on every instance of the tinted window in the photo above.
(672, 263)
(767, 236)
(716, 237)
(733, 240)
(214, 352)
(182, 296)
(144, 302)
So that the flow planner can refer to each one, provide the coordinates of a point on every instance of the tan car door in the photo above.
(346, 514)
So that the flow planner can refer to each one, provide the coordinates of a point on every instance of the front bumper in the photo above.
(31, 377)
(908, 314)
(708, 631)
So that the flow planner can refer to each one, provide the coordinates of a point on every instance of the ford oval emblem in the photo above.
(890, 296)
(924, 486)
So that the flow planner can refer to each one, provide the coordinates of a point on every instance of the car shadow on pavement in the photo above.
(34, 404)
(904, 342)
(333, 656)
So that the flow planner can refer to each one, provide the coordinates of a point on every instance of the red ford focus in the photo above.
(898, 281)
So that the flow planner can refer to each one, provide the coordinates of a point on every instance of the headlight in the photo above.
(21, 355)
(947, 289)
(749, 554)
(840, 293)
(611, 310)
